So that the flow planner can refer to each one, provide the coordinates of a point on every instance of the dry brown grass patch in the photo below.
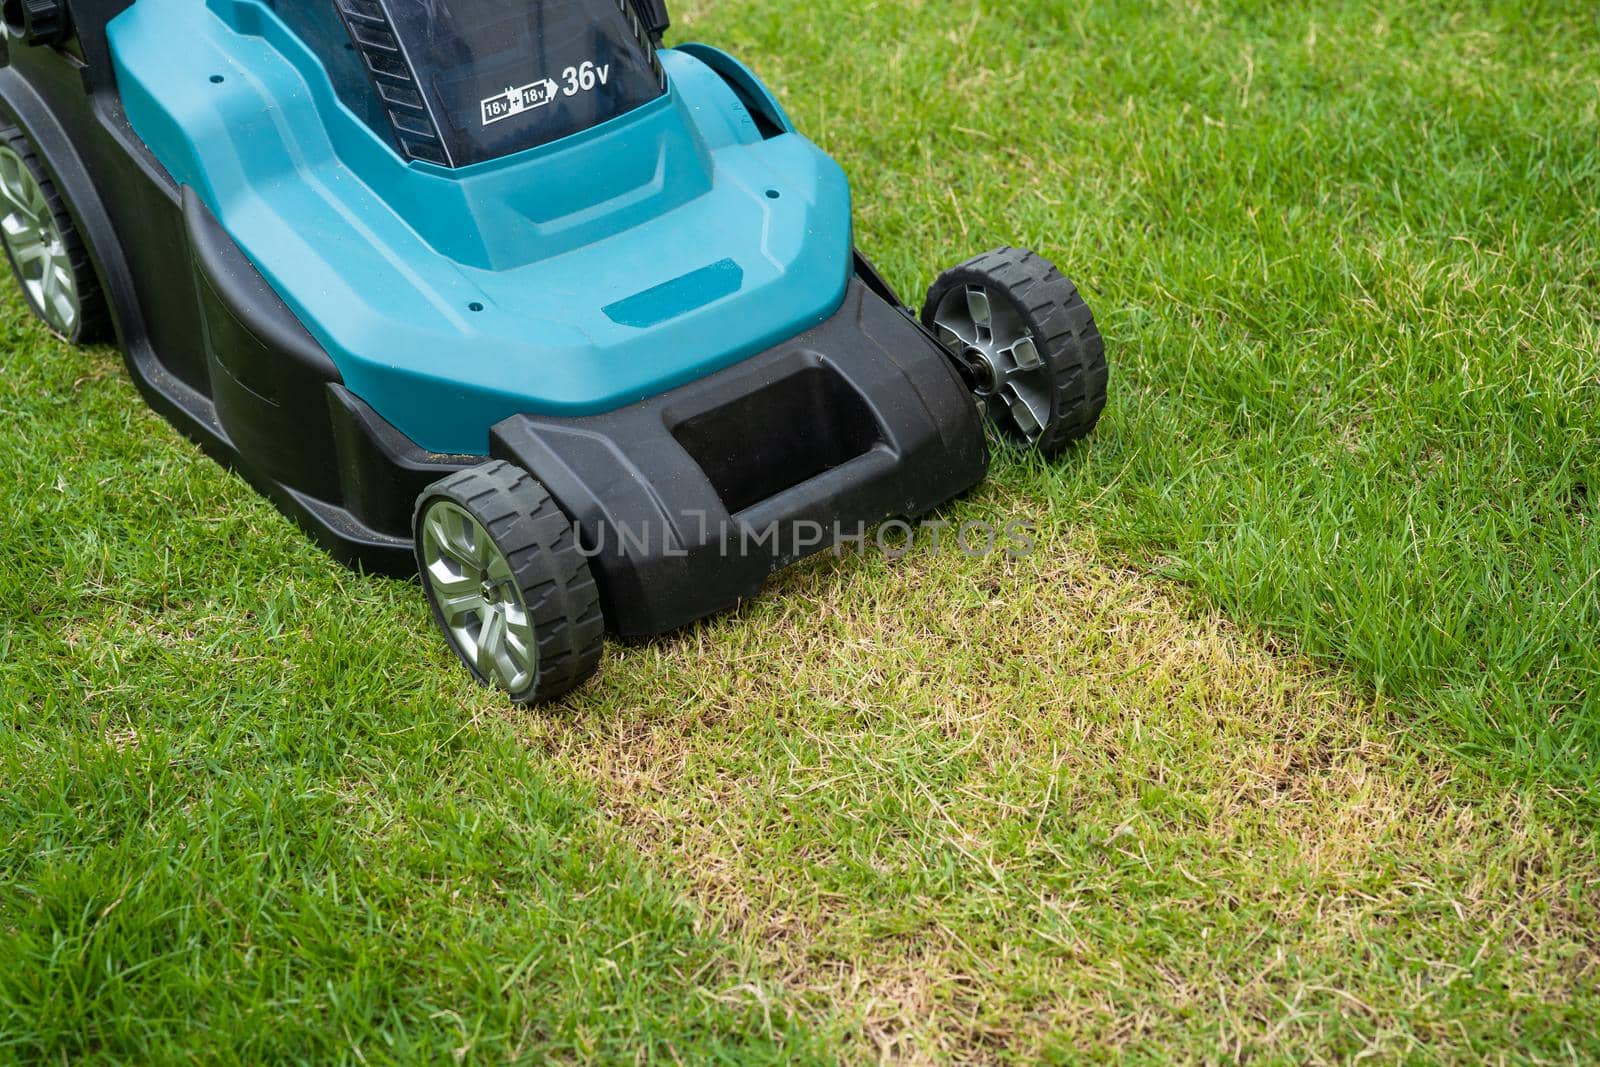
(974, 809)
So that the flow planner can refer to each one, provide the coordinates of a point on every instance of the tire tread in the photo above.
(557, 585)
(1064, 328)
(94, 313)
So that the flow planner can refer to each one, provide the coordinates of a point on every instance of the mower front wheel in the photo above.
(1026, 342)
(508, 586)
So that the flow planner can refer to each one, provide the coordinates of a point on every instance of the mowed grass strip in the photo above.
(983, 809)
(1347, 257)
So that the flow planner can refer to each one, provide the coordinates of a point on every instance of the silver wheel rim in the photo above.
(29, 229)
(984, 329)
(478, 597)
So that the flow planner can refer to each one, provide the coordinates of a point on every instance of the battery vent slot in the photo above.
(396, 83)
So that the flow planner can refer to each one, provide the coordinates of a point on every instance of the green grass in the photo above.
(1284, 747)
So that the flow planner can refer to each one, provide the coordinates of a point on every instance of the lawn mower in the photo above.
(508, 294)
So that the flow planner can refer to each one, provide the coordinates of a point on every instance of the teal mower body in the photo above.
(467, 285)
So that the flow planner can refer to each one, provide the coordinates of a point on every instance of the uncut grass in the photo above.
(252, 813)
(1004, 810)
(1345, 255)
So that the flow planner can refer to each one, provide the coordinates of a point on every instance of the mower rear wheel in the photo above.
(50, 259)
(507, 583)
(1028, 345)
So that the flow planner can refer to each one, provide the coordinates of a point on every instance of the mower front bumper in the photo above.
(686, 502)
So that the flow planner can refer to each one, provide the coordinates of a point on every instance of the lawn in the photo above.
(1283, 746)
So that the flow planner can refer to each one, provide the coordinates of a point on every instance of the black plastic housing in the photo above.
(688, 501)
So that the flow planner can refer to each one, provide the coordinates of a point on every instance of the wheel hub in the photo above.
(985, 376)
(985, 330)
(472, 584)
(31, 235)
